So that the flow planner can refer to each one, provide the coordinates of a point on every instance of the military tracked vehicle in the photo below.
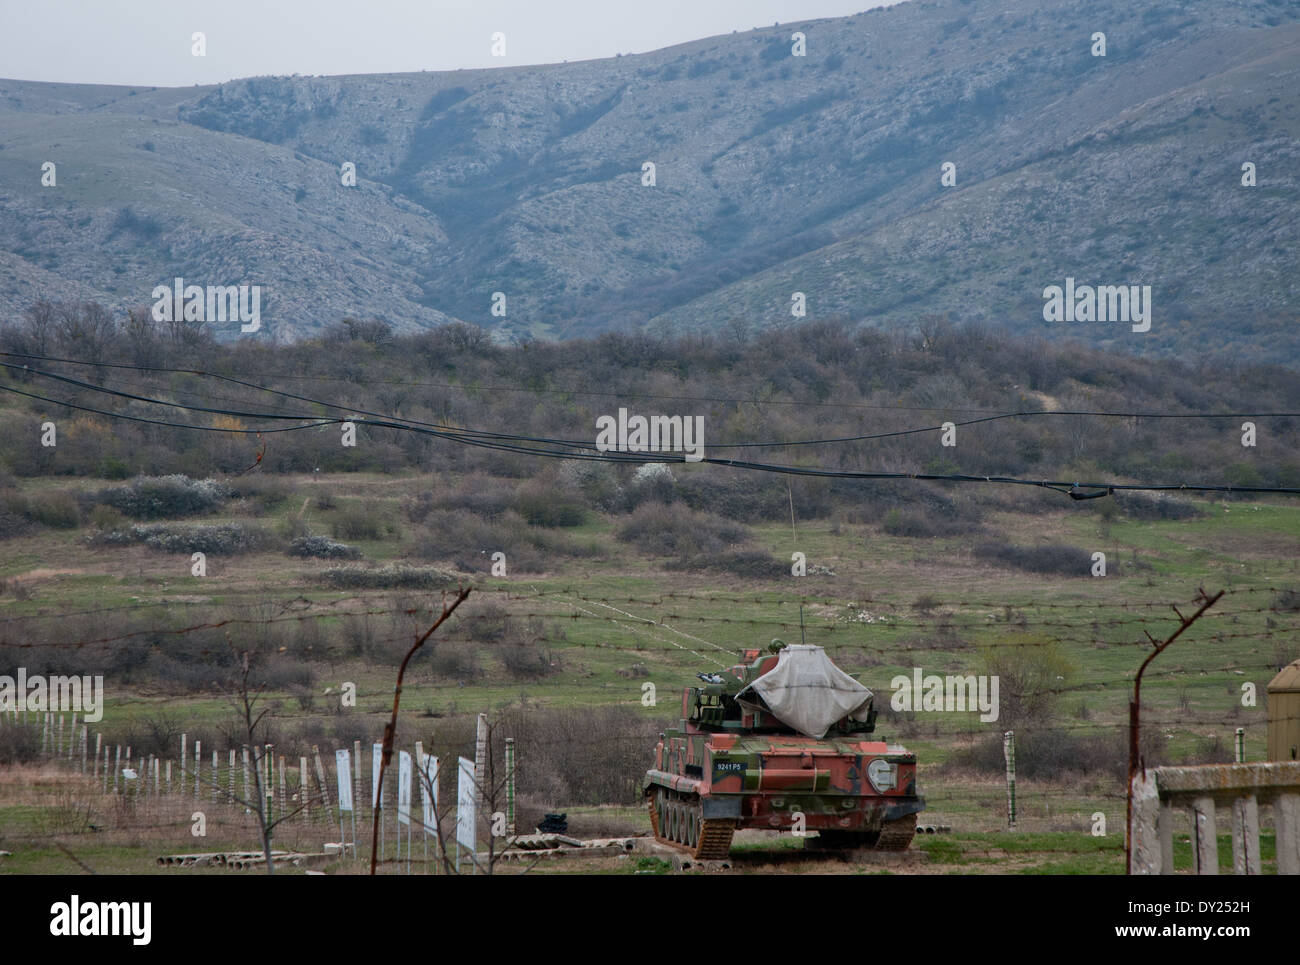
(780, 741)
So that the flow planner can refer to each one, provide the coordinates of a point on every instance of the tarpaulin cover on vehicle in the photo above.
(808, 692)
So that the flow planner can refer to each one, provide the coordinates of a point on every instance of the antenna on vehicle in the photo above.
(802, 638)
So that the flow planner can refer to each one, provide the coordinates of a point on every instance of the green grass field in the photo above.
(614, 621)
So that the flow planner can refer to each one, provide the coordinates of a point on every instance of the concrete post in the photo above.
(1205, 842)
(1165, 832)
(1245, 835)
(1146, 845)
(1286, 818)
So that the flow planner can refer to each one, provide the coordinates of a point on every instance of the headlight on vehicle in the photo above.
(882, 775)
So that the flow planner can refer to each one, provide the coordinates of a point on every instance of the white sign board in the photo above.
(376, 760)
(403, 787)
(429, 782)
(343, 764)
(465, 814)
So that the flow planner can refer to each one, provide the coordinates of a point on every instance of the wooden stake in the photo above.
(304, 792)
(1009, 754)
(356, 778)
(480, 764)
(321, 780)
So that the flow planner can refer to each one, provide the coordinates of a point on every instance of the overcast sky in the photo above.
(147, 42)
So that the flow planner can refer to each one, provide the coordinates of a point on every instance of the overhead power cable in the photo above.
(562, 449)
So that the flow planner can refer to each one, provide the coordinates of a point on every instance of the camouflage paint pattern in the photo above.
(746, 765)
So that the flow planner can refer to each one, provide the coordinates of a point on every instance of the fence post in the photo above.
(117, 765)
(216, 777)
(510, 786)
(198, 766)
(98, 739)
(480, 763)
(45, 733)
(320, 777)
(185, 757)
(72, 737)
(85, 745)
(1286, 819)
(169, 778)
(230, 775)
(1241, 745)
(247, 797)
(1205, 841)
(304, 788)
(1009, 755)
(356, 778)
(284, 790)
(1245, 834)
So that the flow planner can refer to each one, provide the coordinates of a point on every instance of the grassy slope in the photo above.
(1192, 693)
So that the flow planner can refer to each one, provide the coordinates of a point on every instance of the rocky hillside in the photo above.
(773, 174)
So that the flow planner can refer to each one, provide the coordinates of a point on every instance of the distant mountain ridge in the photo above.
(774, 174)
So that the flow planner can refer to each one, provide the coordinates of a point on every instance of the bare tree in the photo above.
(245, 700)
(38, 327)
(390, 729)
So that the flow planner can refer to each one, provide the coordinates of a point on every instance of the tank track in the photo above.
(713, 841)
(897, 835)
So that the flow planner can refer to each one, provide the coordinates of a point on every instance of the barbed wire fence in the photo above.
(221, 788)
